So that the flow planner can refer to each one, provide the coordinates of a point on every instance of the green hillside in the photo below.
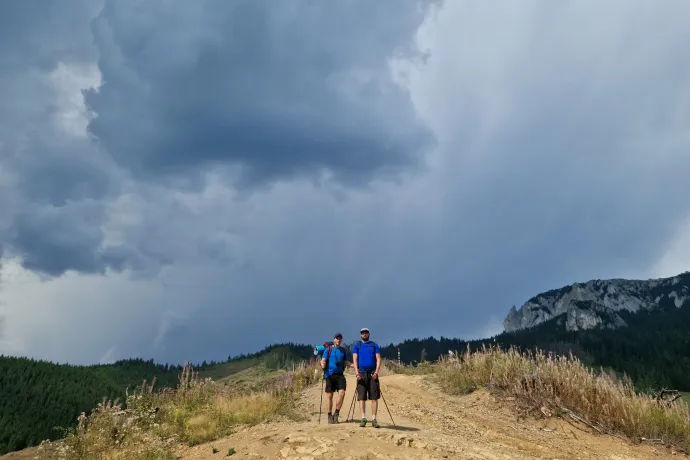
(38, 396)
(653, 350)
(273, 357)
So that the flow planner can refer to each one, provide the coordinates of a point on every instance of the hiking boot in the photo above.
(363, 422)
(335, 418)
(330, 419)
(375, 424)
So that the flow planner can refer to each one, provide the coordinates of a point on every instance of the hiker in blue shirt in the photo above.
(333, 362)
(366, 356)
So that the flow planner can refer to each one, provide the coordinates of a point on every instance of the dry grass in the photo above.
(197, 411)
(562, 385)
(392, 367)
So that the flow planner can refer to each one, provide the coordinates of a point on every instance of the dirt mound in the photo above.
(428, 425)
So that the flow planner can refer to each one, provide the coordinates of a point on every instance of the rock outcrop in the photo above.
(597, 303)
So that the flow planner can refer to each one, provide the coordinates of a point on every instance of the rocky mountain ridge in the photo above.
(598, 303)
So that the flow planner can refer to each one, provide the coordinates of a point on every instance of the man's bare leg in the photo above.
(329, 398)
(338, 405)
(341, 399)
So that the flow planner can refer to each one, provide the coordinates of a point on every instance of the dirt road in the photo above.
(428, 425)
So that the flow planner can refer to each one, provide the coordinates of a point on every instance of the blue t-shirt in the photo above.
(367, 351)
(336, 362)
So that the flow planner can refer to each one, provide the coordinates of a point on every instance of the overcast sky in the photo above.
(188, 180)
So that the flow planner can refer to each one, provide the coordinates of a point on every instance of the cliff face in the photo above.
(597, 302)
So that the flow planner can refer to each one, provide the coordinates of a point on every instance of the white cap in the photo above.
(364, 329)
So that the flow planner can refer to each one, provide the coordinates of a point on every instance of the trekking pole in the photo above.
(352, 404)
(384, 401)
(321, 403)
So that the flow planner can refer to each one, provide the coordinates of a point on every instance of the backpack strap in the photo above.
(327, 357)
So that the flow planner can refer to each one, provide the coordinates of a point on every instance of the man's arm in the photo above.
(378, 359)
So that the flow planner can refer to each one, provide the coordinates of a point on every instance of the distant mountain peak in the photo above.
(597, 303)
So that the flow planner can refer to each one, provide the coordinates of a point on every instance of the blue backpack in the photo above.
(329, 346)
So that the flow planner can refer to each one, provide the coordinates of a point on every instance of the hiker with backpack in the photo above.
(333, 362)
(366, 356)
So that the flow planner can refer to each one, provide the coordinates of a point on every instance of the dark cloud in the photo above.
(54, 222)
(57, 174)
(556, 156)
(277, 92)
(39, 33)
(54, 181)
(279, 89)
(53, 239)
(547, 175)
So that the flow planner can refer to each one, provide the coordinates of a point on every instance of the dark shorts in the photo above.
(368, 388)
(335, 382)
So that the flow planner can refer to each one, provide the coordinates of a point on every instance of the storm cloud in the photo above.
(210, 177)
(278, 89)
